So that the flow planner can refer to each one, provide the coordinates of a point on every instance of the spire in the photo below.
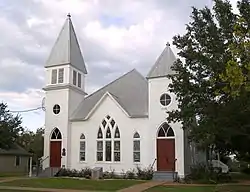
(66, 49)
(162, 66)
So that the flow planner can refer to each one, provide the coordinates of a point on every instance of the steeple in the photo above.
(162, 66)
(66, 50)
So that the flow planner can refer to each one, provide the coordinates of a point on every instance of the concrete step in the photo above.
(164, 176)
(49, 172)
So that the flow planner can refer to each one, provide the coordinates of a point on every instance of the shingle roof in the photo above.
(15, 150)
(162, 66)
(130, 91)
(66, 49)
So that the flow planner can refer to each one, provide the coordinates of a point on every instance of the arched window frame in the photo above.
(56, 134)
(82, 147)
(136, 147)
(109, 146)
(165, 130)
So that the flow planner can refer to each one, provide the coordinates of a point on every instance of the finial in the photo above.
(68, 15)
(167, 44)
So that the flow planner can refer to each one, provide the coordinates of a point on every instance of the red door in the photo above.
(55, 153)
(165, 155)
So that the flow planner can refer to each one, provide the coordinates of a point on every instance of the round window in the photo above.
(165, 99)
(56, 109)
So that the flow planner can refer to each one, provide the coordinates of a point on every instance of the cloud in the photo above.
(115, 37)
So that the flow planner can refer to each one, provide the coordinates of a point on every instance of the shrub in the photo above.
(207, 174)
(111, 175)
(144, 174)
(245, 170)
(130, 174)
(86, 173)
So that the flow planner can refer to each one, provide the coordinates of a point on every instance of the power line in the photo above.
(27, 110)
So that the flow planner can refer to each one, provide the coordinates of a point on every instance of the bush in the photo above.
(245, 170)
(86, 173)
(139, 173)
(130, 174)
(145, 174)
(207, 174)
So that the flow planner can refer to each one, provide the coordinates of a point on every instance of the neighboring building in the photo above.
(118, 127)
(14, 160)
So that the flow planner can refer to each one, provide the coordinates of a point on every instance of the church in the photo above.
(118, 127)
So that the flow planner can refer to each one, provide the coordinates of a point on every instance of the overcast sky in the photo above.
(115, 37)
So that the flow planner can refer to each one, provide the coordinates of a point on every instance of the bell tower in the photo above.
(64, 90)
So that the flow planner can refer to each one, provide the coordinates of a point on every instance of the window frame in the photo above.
(74, 78)
(53, 76)
(79, 80)
(136, 138)
(19, 160)
(60, 75)
(105, 125)
(165, 99)
(82, 140)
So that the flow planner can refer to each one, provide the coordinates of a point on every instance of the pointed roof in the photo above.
(129, 90)
(66, 49)
(162, 66)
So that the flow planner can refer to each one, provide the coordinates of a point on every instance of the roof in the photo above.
(66, 49)
(15, 150)
(162, 66)
(130, 91)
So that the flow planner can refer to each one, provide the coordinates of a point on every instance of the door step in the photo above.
(165, 176)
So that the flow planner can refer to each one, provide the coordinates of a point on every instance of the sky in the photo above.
(115, 37)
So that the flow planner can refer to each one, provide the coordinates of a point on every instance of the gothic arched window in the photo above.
(110, 143)
(165, 131)
(56, 134)
(82, 148)
(137, 147)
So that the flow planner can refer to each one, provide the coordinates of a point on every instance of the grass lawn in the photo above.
(229, 188)
(65, 183)
(12, 175)
(181, 189)
(6, 190)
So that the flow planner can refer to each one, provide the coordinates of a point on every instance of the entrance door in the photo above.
(55, 153)
(165, 155)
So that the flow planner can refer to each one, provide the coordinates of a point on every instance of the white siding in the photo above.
(127, 128)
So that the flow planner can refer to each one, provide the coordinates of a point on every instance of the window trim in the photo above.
(137, 139)
(79, 80)
(60, 72)
(82, 140)
(165, 94)
(74, 77)
(104, 125)
(19, 157)
(54, 76)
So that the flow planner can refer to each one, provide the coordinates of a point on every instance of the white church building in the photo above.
(118, 127)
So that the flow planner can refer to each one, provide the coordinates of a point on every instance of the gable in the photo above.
(107, 97)
(130, 91)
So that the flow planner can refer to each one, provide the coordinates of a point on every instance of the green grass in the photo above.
(228, 188)
(8, 190)
(182, 189)
(65, 183)
(12, 175)
(238, 176)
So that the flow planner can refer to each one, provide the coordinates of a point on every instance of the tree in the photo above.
(237, 73)
(32, 142)
(212, 117)
(10, 127)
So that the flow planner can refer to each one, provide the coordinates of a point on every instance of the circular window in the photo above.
(56, 109)
(165, 99)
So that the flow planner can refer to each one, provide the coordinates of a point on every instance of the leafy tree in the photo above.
(237, 74)
(32, 142)
(212, 117)
(10, 127)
